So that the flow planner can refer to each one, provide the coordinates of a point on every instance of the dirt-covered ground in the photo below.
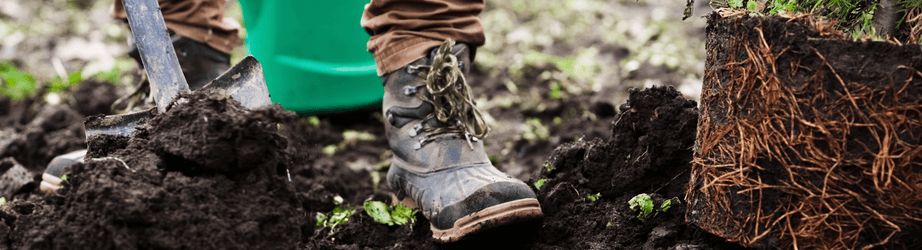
(553, 80)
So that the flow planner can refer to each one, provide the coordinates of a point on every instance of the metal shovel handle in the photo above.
(156, 49)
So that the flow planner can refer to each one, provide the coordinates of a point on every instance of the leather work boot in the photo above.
(200, 63)
(439, 162)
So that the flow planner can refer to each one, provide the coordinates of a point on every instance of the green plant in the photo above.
(390, 215)
(338, 216)
(534, 131)
(594, 197)
(736, 4)
(643, 203)
(15, 84)
(540, 183)
(64, 178)
(549, 167)
(2, 200)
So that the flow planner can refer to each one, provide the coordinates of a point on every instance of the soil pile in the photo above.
(207, 174)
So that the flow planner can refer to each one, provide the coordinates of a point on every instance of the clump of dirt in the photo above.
(206, 174)
(94, 97)
(54, 130)
(649, 152)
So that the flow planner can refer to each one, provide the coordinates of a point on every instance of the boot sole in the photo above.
(50, 183)
(508, 213)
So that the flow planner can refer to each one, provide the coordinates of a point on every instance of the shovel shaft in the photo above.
(156, 49)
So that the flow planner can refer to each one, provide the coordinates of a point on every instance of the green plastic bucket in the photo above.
(313, 54)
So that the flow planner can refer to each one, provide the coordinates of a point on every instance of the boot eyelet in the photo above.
(412, 69)
(416, 128)
(409, 90)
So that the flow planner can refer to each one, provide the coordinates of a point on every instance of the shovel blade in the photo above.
(121, 125)
(244, 82)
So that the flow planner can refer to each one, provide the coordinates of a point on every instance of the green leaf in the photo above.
(736, 4)
(403, 215)
(15, 84)
(58, 85)
(549, 167)
(752, 5)
(378, 211)
(594, 197)
(338, 216)
(2, 200)
(668, 204)
(540, 183)
(384, 214)
(644, 203)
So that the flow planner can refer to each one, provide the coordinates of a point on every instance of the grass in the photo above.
(855, 17)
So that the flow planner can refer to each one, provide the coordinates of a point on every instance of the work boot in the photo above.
(200, 63)
(439, 163)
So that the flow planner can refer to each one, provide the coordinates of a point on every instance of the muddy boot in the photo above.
(200, 63)
(439, 162)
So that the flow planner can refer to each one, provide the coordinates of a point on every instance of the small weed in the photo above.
(628, 157)
(15, 84)
(375, 179)
(58, 85)
(611, 225)
(644, 204)
(534, 131)
(64, 178)
(313, 121)
(736, 4)
(352, 135)
(338, 216)
(329, 150)
(2, 200)
(390, 215)
(594, 197)
(540, 183)
(549, 167)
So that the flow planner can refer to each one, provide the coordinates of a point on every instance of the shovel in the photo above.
(244, 82)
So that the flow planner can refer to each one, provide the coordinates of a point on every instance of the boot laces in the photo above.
(450, 95)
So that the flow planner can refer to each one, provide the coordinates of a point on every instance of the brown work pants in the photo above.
(402, 31)
(200, 20)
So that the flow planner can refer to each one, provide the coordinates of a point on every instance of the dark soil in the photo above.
(208, 174)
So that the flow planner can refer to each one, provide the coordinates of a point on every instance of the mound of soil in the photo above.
(206, 174)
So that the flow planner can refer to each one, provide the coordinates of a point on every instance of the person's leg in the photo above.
(432, 125)
(202, 37)
(403, 31)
